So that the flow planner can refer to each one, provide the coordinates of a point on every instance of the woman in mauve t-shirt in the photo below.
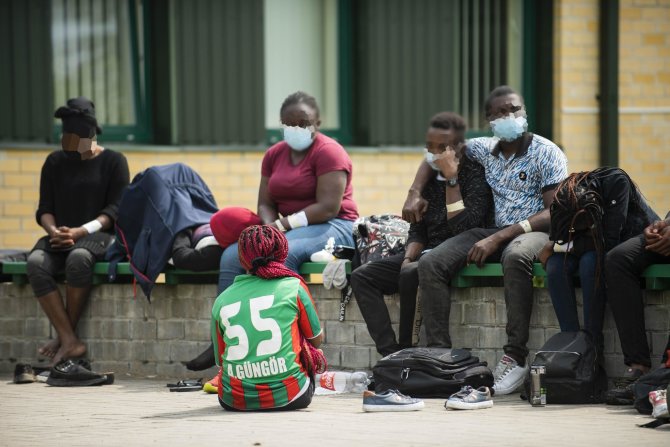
(305, 189)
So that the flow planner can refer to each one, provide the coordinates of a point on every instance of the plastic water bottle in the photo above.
(343, 382)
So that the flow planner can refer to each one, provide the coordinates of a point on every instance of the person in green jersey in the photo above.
(265, 330)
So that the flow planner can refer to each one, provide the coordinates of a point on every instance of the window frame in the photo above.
(142, 131)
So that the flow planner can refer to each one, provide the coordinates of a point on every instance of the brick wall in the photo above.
(381, 181)
(644, 91)
(129, 335)
(576, 82)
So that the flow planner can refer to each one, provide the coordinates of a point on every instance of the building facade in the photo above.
(201, 82)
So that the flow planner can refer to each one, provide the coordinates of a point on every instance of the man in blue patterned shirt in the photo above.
(523, 171)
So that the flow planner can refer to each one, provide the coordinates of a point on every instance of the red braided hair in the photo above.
(262, 250)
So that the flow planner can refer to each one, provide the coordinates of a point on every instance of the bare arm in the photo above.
(329, 192)
(267, 209)
(415, 206)
(487, 246)
(412, 251)
(316, 341)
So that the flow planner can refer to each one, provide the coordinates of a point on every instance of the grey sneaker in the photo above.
(390, 400)
(508, 375)
(469, 398)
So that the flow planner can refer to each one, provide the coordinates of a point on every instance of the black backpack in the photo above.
(430, 372)
(574, 373)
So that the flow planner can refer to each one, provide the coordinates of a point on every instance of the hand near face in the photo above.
(447, 161)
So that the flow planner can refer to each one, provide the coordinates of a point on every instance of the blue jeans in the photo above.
(560, 275)
(302, 242)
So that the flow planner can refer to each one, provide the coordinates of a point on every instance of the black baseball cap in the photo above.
(78, 117)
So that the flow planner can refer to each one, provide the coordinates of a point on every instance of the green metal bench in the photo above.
(657, 276)
(311, 271)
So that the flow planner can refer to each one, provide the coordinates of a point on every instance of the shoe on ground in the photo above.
(43, 376)
(70, 373)
(390, 400)
(469, 398)
(508, 375)
(212, 387)
(23, 373)
(629, 377)
(659, 402)
(621, 396)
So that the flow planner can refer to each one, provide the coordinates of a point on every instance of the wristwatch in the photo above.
(452, 181)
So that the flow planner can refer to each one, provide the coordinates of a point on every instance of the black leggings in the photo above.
(43, 266)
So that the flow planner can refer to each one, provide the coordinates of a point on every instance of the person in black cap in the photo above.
(80, 187)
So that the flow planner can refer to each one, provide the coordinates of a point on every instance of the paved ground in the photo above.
(138, 412)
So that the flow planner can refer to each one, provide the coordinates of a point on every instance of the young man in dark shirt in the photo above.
(523, 171)
(458, 199)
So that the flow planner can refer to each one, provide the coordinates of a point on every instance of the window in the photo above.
(301, 53)
(414, 59)
(98, 52)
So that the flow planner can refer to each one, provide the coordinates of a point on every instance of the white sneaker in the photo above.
(508, 376)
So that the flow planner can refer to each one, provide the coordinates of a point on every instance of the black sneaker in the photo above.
(630, 376)
(621, 395)
(23, 373)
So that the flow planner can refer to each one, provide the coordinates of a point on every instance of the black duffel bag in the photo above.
(430, 372)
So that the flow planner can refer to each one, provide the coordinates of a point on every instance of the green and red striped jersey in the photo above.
(256, 327)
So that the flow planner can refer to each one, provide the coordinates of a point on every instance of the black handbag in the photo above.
(574, 373)
(430, 372)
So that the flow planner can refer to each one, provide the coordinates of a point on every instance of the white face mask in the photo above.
(430, 159)
(299, 138)
(510, 127)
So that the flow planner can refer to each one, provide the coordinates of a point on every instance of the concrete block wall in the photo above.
(128, 335)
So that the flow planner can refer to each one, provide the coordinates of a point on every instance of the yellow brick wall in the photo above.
(644, 95)
(644, 91)
(576, 82)
(380, 183)
(381, 180)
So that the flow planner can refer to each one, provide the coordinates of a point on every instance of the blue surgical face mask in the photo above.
(510, 127)
(430, 159)
(299, 138)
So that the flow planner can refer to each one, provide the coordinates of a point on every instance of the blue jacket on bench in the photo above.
(159, 203)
